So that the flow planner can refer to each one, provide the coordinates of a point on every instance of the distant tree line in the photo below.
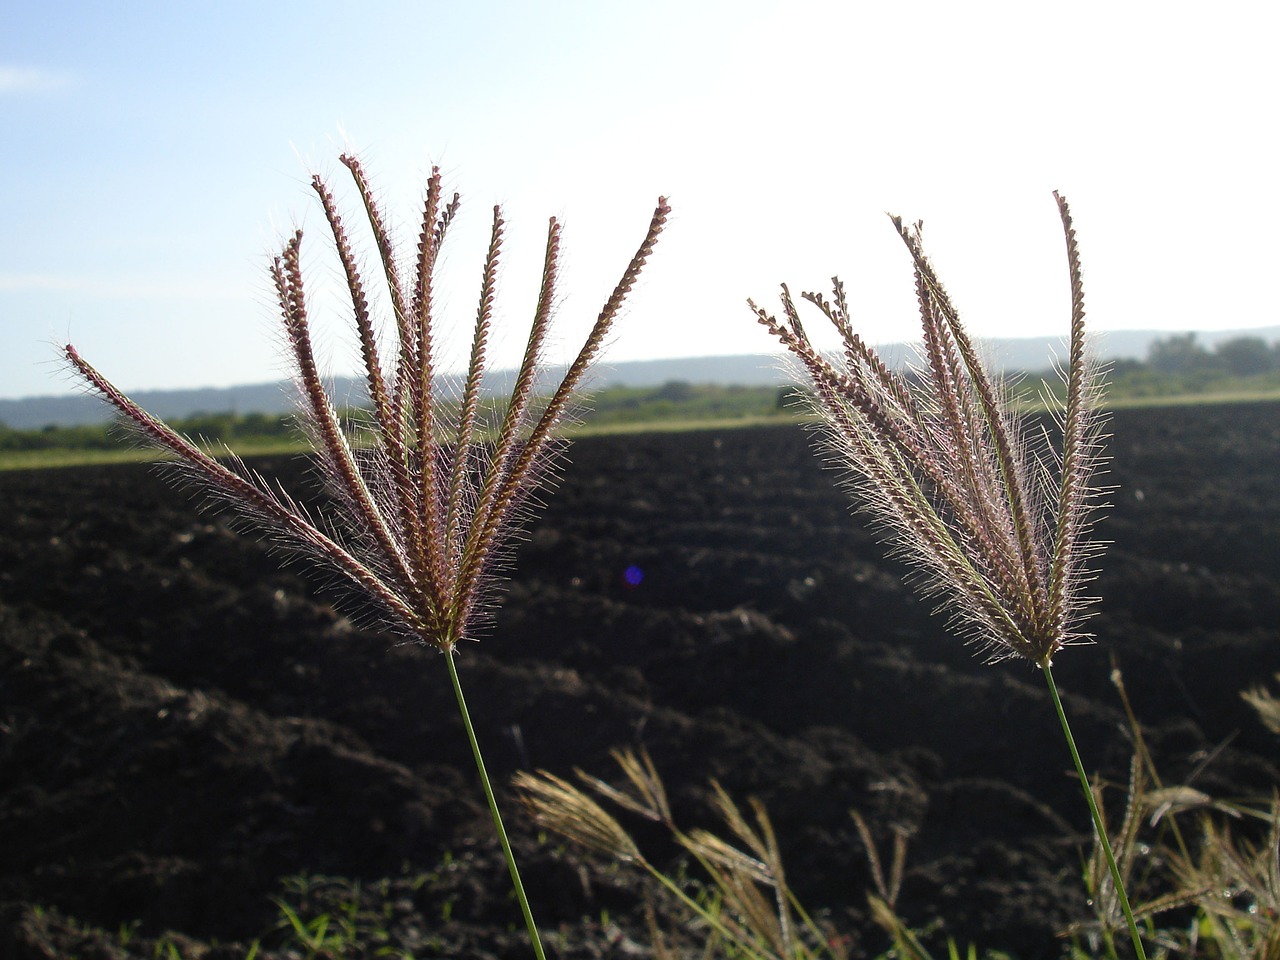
(1174, 365)
(681, 400)
(213, 427)
(1239, 356)
(1181, 364)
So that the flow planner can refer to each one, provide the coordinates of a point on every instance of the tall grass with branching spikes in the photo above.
(994, 519)
(1211, 891)
(740, 904)
(1214, 883)
(746, 910)
(428, 493)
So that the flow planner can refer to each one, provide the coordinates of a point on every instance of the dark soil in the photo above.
(187, 731)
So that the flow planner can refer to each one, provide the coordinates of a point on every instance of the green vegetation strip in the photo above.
(673, 407)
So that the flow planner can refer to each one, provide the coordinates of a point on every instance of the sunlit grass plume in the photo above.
(428, 493)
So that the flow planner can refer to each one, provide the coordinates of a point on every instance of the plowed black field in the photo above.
(182, 724)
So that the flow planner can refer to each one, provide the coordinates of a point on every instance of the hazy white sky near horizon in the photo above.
(153, 155)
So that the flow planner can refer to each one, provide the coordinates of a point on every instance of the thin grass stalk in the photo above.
(905, 940)
(764, 867)
(1141, 748)
(817, 933)
(1096, 814)
(729, 930)
(780, 888)
(534, 939)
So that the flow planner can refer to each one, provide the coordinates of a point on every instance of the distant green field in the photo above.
(671, 407)
(126, 452)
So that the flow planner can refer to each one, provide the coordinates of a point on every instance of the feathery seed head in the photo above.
(558, 805)
(996, 521)
(428, 494)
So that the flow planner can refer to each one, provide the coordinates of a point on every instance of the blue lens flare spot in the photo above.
(633, 576)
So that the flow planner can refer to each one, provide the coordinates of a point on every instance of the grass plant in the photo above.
(743, 906)
(994, 520)
(1211, 866)
(1208, 869)
(739, 904)
(428, 499)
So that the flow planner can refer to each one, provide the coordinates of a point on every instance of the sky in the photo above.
(153, 156)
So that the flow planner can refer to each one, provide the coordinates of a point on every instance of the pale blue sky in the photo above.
(153, 154)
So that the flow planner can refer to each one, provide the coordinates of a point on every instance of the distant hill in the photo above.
(32, 413)
(1031, 353)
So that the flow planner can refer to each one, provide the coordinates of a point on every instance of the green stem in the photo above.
(534, 940)
(1096, 814)
(745, 944)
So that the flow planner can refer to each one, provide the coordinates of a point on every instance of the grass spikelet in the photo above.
(561, 807)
